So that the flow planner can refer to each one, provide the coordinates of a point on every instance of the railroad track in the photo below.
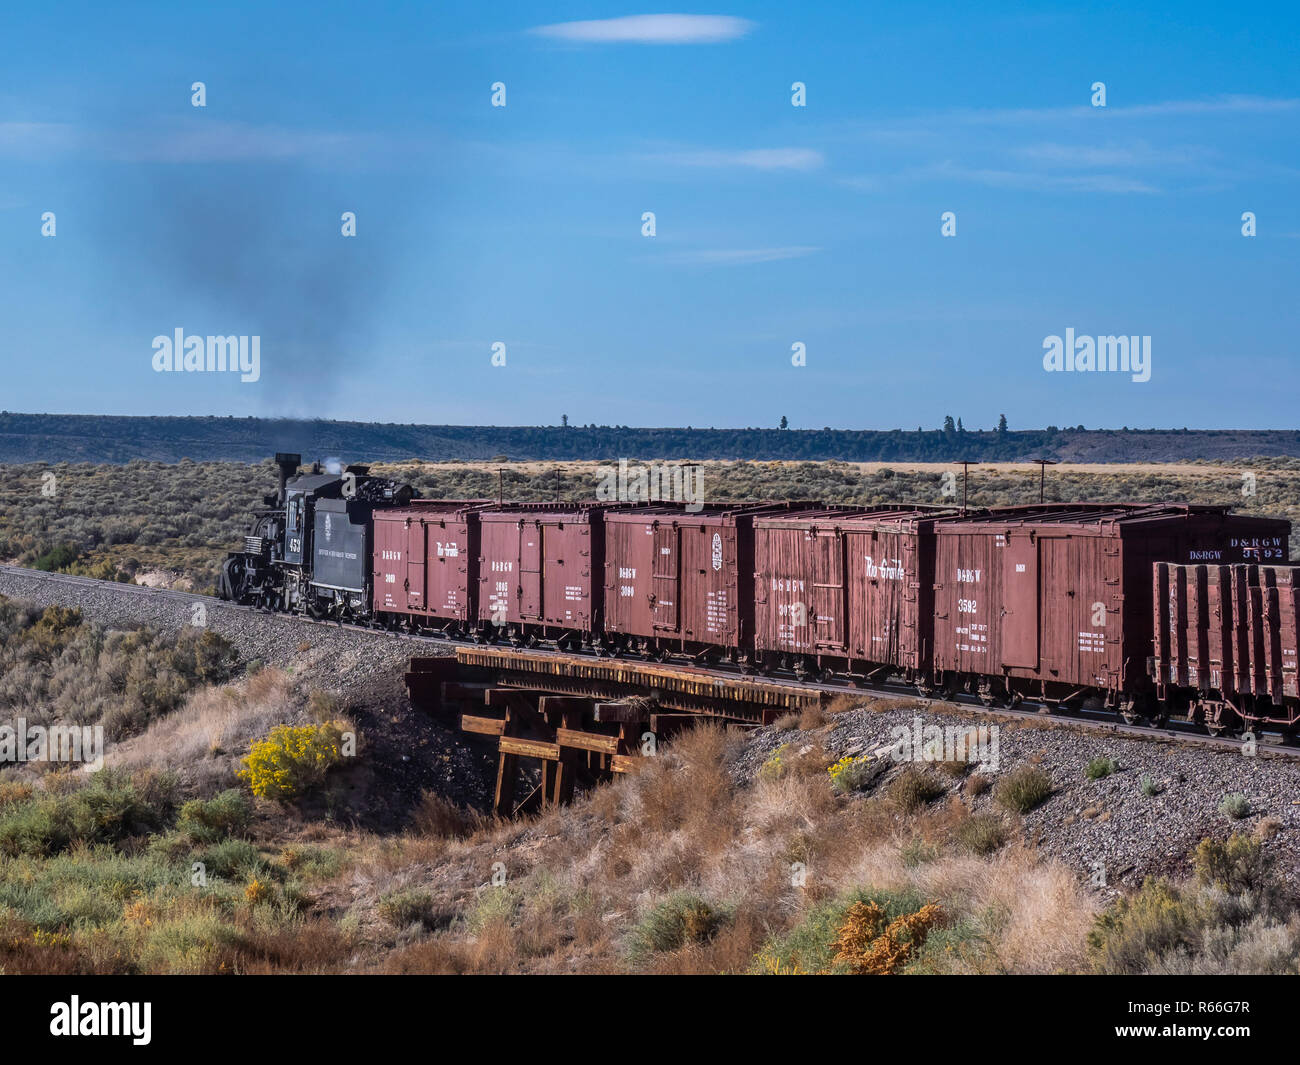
(1266, 744)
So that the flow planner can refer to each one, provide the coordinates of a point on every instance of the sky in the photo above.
(775, 225)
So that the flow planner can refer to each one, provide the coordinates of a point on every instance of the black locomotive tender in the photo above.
(1066, 604)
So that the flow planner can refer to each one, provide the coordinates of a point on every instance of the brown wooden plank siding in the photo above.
(851, 585)
(539, 565)
(425, 560)
(1247, 619)
(1064, 594)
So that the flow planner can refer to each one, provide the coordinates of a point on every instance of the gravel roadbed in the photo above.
(1109, 825)
(274, 640)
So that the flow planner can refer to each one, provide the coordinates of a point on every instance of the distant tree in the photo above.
(960, 427)
(949, 426)
(1002, 423)
(785, 422)
(564, 420)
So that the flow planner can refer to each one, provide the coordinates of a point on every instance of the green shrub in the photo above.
(913, 788)
(1236, 806)
(1101, 767)
(106, 810)
(231, 859)
(58, 557)
(210, 821)
(674, 922)
(1022, 789)
(1138, 931)
(1150, 788)
(404, 908)
(981, 834)
(1235, 865)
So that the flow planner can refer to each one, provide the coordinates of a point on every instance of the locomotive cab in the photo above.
(311, 552)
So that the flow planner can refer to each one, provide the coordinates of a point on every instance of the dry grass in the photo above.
(580, 882)
(205, 738)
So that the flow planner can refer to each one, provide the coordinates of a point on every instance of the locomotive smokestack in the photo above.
(288, 464)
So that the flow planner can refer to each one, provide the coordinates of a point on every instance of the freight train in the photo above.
(1144, 609)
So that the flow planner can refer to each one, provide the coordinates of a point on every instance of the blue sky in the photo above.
(774, 224)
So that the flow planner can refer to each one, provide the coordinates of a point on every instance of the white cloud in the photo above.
(1011, 179)
(650, 29)
(753, 158)
(180, 142)
(739, 256)
(999, 178)
(1082, 155)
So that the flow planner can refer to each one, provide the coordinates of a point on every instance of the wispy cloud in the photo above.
(1000, 178)
(650, 29)
(1039, 182)
(753, 158)
(738, 256)
(902, 127)
(1108, 155)
(199, 142)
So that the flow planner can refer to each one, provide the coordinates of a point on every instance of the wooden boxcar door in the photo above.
(664, 584)
(416, 600)
(530, 570)
(1019, 637)
(826, 610)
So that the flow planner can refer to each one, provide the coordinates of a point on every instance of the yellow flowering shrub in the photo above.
(258, 891)
(872, 945)
(775, 765)
(850, 772)
(292, 759)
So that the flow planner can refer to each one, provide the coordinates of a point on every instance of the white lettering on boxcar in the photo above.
(890, 568)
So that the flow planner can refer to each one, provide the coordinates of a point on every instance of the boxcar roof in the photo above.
(894, 513)
(1093, 516)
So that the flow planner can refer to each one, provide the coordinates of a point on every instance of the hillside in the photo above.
(802, 847)
(95, 438)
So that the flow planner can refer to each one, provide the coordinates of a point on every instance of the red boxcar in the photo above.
(1226, 643)
(425, 565)
(541, 569)
(1055, 601)
(682, 581)
(845, 590)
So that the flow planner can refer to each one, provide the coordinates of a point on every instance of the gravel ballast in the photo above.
(1108, 826)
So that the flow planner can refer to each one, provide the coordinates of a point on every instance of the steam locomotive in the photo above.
(309, 552)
